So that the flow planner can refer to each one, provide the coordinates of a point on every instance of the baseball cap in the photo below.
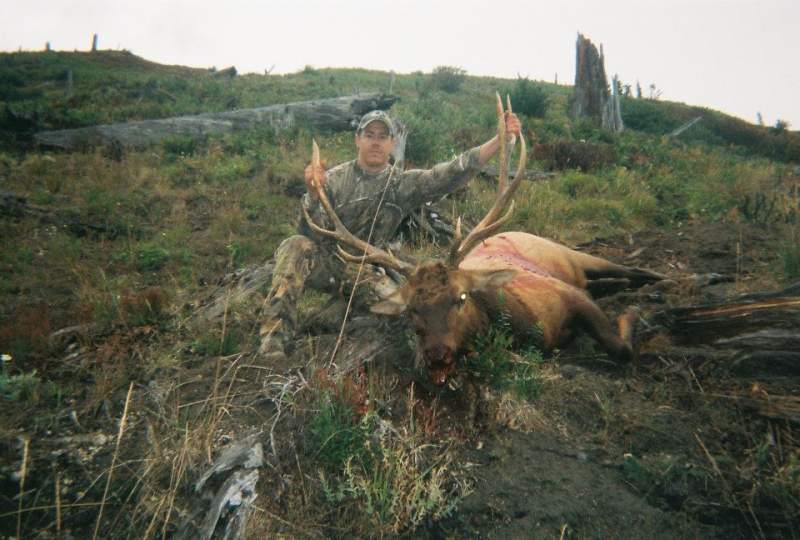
(379, 116)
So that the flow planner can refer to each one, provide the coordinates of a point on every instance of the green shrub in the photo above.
(529, 98)
(389, 479)
(240, 252)
(150, 258)
(427, 134)
(494, 364)
(22, 387)
(649, 116)
(789, 254)
(448, 78)
(586, 156)
(403, 484)
(182, 146)
(213, 343)
(335, 435)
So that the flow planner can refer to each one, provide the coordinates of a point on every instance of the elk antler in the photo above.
(492, 221)
(370, 253)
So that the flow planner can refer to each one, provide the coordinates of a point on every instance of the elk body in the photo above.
(535, 281)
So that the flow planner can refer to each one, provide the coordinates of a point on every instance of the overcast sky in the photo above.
(737, 56)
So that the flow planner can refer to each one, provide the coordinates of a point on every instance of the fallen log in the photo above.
(718, 323)
(340, 113)
(684, 127)
(754, 333)
(770, 406)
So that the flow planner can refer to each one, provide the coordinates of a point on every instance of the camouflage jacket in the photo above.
(355, 195)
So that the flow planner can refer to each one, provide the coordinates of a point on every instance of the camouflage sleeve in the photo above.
(418, 186)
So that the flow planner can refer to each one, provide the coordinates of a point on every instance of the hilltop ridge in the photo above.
(117, 86)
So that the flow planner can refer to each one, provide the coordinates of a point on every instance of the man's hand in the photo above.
(513, 125)
(318, 175)
(490, 147)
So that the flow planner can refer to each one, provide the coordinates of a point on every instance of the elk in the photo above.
(535, 281)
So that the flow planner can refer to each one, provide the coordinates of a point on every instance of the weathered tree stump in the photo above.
(226, 493)
(591, 98)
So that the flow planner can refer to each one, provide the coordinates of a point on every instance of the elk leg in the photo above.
(606, 269)
(596, 324)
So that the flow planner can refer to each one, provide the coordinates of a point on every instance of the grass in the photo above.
(175, 218)
(494, 364)
(789, 256)
(384, 479)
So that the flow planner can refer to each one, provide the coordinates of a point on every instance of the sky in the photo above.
(736, 56)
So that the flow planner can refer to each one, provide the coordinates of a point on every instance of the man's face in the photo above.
(374, 144)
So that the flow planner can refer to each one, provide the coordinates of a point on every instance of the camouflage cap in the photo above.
(379, 116)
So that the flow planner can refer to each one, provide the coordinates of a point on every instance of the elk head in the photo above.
(443, 302)
(445, 307)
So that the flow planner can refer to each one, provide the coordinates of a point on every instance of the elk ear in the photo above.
(395, 304)
(490, 280)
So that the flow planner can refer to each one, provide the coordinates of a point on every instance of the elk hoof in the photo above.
(627, 332)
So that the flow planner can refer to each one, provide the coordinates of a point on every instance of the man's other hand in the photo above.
(310, 175)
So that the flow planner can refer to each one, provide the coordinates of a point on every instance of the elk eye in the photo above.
(463, 297)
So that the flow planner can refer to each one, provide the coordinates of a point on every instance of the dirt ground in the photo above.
(660, 449)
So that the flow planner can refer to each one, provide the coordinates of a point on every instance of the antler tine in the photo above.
(383, 258)
(513, 140)
(453, 258)
(492, 221)
(502, 178)
(340, 233)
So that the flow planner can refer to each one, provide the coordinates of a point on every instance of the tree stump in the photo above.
(592, 98)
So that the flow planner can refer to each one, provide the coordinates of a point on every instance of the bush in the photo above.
(427, 137)
(22, 387)
(529, 98)
(336, 435)
(182, 146)
(448, 78)
(493, 364)
(388, 479)
(789, 253)
(151, 258)
(586, 156)
(214, 343)
(650, 116)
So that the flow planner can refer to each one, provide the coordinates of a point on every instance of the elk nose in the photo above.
(437, 353)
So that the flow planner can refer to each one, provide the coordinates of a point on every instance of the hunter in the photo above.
(358, 189)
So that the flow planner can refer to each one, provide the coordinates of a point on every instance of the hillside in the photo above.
(111, 257)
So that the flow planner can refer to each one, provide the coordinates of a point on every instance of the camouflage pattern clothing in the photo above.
(310, 259)
(355, 194)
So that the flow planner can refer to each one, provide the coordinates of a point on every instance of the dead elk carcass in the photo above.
(534, 280)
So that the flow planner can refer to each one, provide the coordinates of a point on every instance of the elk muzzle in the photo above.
(441, 363)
